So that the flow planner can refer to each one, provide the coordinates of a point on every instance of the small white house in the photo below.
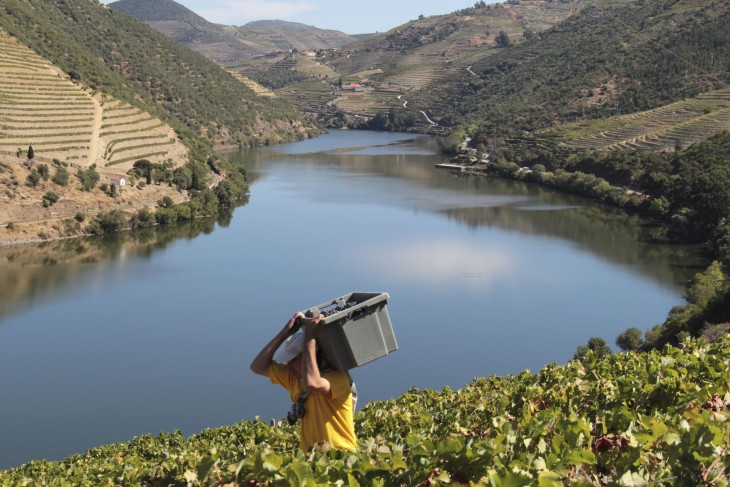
(118, 181)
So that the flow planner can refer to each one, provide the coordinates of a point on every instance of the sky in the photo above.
(364, 17)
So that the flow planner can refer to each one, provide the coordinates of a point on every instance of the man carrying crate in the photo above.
(322, 399)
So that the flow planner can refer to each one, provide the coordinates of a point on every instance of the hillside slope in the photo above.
(120, 56)
(609, 59)
(40, 106)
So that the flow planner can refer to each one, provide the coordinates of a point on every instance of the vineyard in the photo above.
(42, 107)
(682, 123)
(633, 419)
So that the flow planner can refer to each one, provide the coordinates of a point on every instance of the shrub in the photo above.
(166, 215)
(50, 198)
(61, 176)
(166, 202)
(143, 219)
(630, 339)
(44, 171)
(112, 221)
(89, 177)
(34, 178)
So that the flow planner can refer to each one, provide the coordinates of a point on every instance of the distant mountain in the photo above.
(225, 43)
(277, 24)
(415, 67)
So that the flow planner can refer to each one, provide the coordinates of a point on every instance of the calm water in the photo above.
(105, 339)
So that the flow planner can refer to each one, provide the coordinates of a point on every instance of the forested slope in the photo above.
(603, 61)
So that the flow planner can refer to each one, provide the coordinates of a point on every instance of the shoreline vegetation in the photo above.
(152, 194)
(654, 418)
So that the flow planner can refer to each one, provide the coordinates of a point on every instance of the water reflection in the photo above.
(36, 274)
(476, 201)
(442, 262)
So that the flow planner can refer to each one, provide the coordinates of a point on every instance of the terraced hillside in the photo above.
(663, 128)
(40, 106)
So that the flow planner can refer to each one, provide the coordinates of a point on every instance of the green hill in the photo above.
(115, 54)
(609, 59)
(659, 418)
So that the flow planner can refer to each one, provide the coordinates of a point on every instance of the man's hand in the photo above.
(261, 363)
(293, 324)
(313, 328)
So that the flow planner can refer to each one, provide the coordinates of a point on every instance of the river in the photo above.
(104, 339)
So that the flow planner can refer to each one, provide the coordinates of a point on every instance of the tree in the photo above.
(31, 152)
(597, 345)
(182, 177)
(503, 39)
(143, 168)
(630, 339)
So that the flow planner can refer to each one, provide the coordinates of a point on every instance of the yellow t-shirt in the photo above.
(326, 419)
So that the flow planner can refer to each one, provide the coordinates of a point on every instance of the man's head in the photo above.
(290, 353)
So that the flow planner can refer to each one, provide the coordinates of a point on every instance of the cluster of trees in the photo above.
(395, 120)
(414, 35)
(203, 201)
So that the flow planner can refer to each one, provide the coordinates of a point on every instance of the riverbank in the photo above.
(47, 211)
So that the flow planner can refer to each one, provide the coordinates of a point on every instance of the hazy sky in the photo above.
(361, 17)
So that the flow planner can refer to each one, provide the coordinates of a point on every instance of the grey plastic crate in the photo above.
(358, 334)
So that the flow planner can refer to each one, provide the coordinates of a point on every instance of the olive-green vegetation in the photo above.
(119, 55)
(657, 418)
(203, 202)
(280, 74)
(608, 59)
(152, 10)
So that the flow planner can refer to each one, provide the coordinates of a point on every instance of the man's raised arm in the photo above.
(313, 380)
(260, 364)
